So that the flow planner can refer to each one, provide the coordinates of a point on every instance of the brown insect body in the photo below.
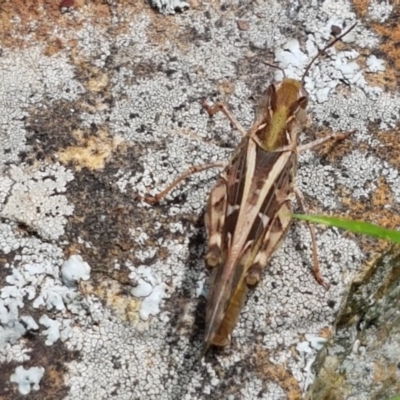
(249, 208)
(244, 235)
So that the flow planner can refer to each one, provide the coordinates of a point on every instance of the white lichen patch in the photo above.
(53, 329)
(27, 379)
(120, 359)
(359, 173)
(380, 10)
(33, 279)
(326, 75)
(150, 289)
(75, 269)
(33, 196)
(251, 389)
(151, 303)
(317, 181)
(142, 288)
(29, 322)
(308, 351)
(170, 6)
(374, 64)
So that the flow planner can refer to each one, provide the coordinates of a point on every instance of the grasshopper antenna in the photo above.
(321, 52)
(276, 67)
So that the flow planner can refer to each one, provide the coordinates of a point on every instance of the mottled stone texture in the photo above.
(100, 101)
(362, 359)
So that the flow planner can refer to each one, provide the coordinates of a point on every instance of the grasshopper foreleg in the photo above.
(192, 170)
(316, 269)
(224, 109)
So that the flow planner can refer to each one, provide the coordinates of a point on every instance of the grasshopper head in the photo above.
(287, 102)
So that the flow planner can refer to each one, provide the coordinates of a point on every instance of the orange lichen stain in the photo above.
(162, 30)
(375, 211)
(381, 198)
(390, 31)
(98, 83)
(361, 7)
(90, 152)
(226, 88)
(53, 47)
(390, 149)
(18, 31)
(386, 79)
(385, 373)
(277, 373)
(123, 305)
(163, 253)
(15, 18)
(55, 375)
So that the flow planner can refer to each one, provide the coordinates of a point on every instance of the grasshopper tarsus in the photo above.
(321, 281)
(146, 198)
(219, 106)
(211, 110)
(151, 199)
(316, 269)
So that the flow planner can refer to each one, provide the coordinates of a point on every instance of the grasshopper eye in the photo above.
(298, 106)
(271, 93)
(303, 93)
(303, 102)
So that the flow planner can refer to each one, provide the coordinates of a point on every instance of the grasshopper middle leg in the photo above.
(334, 137)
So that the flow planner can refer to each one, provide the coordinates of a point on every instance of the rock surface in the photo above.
(99, 102)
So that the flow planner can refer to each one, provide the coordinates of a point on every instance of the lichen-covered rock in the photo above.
(102, 102)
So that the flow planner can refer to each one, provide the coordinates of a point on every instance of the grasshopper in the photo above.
(249, 209)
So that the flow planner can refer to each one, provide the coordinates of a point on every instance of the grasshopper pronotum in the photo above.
(249, 208)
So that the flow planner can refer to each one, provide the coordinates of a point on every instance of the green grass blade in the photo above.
(364, 228)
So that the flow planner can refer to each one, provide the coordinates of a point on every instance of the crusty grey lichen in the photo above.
(27, 77)
(131, 81)
(33, 196)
